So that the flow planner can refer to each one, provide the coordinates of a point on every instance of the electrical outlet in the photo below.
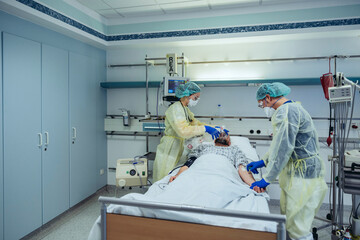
(102, 171)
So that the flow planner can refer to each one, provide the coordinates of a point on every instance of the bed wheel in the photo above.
(130, 188)
(329, 216)
(314, 232)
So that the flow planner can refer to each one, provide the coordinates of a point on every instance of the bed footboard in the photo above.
(115, 226)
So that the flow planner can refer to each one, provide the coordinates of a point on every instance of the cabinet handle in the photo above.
(40, 139)
(74, 133)
(47, 138)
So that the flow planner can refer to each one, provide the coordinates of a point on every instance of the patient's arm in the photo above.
(248, 178)
(188, 163)
(183, 168)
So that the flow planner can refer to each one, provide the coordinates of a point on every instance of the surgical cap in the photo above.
(187, 89)
(275, 89)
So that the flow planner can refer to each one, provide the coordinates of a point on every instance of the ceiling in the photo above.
(125, 9)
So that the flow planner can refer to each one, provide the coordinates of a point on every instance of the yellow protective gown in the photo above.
(294, 154)
(180, 124)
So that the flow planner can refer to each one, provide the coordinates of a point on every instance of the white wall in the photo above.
(238, 100)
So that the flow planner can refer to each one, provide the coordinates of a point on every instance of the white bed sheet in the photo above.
(210, 182)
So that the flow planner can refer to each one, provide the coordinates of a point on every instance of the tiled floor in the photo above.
(77, 222)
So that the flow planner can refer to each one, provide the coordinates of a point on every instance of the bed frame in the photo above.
(117, 226)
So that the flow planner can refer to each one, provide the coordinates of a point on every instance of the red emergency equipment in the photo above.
(327, 81)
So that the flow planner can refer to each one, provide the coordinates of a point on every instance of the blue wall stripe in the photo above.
(288, 81)
(187, 33)
(41, 8)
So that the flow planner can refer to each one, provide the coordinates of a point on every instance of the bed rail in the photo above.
(280, 219)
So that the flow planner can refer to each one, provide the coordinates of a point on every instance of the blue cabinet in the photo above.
(1, 156)
(83, 92)
(52, 144)
(22, 136)
(55, 129)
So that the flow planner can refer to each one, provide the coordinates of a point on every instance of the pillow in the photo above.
(244, 144)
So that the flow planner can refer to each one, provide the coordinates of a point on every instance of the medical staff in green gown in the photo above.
(180, 124)
(294, 157)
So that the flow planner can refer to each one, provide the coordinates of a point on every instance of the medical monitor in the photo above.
(170, 85)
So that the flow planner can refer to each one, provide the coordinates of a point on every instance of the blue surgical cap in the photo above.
(275, 89)
(186, 89)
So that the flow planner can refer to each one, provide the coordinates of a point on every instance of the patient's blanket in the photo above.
(212, 181)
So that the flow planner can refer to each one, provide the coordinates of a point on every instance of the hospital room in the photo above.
(180, 119)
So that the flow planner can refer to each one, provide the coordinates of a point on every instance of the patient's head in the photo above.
(223, 140)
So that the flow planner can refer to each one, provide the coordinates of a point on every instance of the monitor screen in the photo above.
(171, 83)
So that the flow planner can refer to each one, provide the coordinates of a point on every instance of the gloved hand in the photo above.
(253, 166)
(261, 184)
(225, 130)
(212, 131)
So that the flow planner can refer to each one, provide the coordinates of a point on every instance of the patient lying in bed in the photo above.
(222, 147)
(212, 181)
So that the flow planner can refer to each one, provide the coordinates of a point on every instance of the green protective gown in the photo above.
(294, 155)
(180, 124)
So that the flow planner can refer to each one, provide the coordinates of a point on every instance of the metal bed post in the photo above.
(103, 221)
(281, 231)
(147, 100)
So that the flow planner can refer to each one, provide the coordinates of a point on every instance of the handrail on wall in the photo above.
(235, 61)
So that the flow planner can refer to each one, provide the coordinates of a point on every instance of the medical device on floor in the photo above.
(345, 164)
(170, 85)
(131, 172)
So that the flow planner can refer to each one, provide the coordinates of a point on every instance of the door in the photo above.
(22, 136)
(55, 125)
(83, 174)
(1, 154)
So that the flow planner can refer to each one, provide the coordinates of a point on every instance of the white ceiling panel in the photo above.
(176, 1)
(234, 4)
(129, 3)
(109, 13)
(140, 11)
(94, 4)
(131, 9)
(185, 6)
(224, 2)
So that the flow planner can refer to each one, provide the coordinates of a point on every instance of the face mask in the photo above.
(193, 103)
(269, 111)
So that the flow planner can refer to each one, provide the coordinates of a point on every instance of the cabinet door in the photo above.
(55, 125)
(1, 154)
(82, 127)
(22, 139)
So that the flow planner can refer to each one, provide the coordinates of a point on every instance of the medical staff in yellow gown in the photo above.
(294, 157)
(180, 124)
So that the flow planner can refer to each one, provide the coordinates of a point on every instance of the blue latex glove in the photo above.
(212, 131)
(261, 184)
(253, 166)
(225, 130)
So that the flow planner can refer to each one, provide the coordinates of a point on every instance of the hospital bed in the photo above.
(155, 215)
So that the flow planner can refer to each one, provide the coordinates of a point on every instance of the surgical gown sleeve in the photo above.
(179, 122)
(286, 126)
(195, 122)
